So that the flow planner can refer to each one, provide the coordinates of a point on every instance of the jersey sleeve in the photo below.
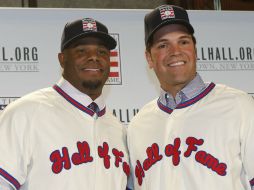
(14, 146)
(247, 137)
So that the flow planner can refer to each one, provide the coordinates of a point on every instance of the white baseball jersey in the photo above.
(205, 143)
(49, 141)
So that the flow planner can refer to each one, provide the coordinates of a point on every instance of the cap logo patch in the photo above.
(166, 12)
(89, 24)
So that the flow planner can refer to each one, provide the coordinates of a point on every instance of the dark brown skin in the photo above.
(86, 65)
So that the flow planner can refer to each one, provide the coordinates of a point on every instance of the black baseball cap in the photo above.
(164, 15)
(83, 28)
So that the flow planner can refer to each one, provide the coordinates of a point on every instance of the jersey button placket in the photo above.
(95, 147)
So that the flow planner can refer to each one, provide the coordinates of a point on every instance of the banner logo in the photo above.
(19, 59)
(225, 58)
(4, 101)
(125, 115)
(115, 75)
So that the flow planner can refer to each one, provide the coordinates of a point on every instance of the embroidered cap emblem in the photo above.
(167, 12)
(89, 24)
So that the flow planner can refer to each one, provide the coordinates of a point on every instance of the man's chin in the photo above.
(92, 84)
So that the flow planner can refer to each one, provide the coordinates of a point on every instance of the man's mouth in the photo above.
(179, 63)
(95, 70)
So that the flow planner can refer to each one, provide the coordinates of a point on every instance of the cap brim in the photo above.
(167, 22)
(108, 40)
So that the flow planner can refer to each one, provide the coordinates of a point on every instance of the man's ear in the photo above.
(61, 59)
(149, 59)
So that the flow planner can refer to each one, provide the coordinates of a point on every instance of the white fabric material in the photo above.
(42, 128)
(79, 96)
(4, 185)
(222, 126)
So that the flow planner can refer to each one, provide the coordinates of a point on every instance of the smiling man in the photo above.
(196, 135)
(62, 137)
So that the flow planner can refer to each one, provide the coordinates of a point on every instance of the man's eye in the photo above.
(80, 50)
(103, 52)
(184, 42)
(161, 46)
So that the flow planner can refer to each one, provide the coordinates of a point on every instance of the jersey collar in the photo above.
(189, 102)
(195, 87)
(79, 99)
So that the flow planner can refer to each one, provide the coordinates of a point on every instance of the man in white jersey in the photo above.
(62, 137)
(196, 135)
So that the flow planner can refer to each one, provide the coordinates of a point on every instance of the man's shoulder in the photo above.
(233, 96)
(146, 111)
(149, 106)
(32, 99)
(225, 90)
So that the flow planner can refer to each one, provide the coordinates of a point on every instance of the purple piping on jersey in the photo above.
(188, 102)
(164, 108)
(9, 178)
(252, 182)
(77, 104)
